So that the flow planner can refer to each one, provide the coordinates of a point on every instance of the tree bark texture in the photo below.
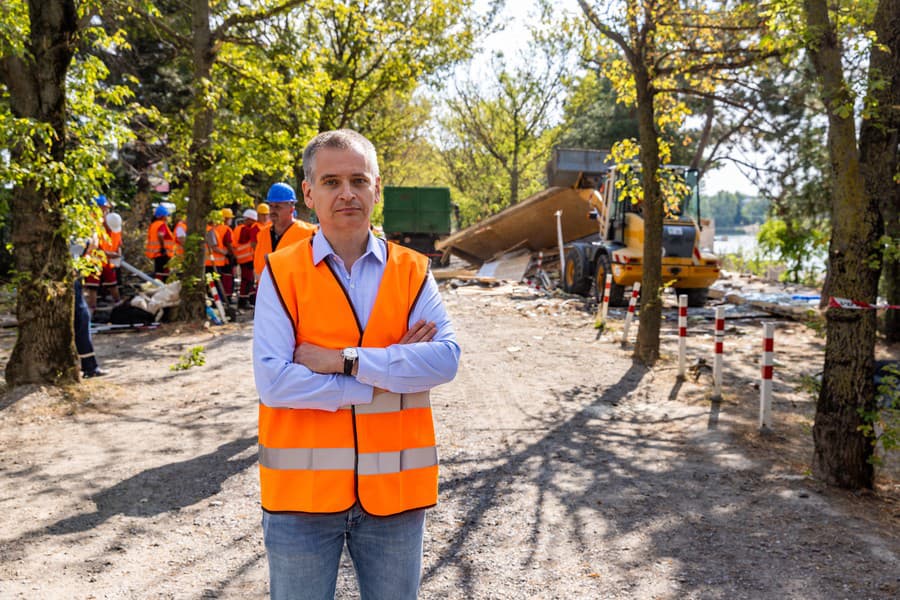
(44, 351)
(647, 348)
(842, 451)
(193, 283)
(878, 151)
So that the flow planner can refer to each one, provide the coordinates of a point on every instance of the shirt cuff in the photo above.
(373, 366)
(355, 391)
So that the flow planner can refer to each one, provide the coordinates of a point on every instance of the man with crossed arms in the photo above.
(350, 334)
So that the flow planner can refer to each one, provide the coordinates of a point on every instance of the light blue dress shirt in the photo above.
(400, 368)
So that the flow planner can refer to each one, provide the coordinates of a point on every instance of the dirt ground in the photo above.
(567, 471)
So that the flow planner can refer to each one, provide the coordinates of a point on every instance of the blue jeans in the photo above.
(304, 551)
(83, 342)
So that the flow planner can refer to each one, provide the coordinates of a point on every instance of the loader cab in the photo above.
(681, 197)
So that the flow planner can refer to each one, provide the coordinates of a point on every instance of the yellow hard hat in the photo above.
(262, 208)
(227, 214)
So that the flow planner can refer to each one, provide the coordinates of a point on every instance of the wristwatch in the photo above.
(350, 356)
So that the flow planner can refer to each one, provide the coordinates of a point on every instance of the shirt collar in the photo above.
(322, 248)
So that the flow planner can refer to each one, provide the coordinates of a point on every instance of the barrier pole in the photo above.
(717, 359)
(765, 386)
(559, 240)
(603, 309)
(218, 301)
(719, 356)
(682, 333)
(635, 292)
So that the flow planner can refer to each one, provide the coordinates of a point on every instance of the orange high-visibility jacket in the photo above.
(382, 454)
(109, 241)
(243, 252)
(153, 249)
(215, 258)
(180, 226)
(298, 231)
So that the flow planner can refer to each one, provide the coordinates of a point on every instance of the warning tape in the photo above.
(847, 303)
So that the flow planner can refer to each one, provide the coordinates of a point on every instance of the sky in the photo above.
(515, 37)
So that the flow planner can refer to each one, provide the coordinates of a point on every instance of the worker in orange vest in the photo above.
(226, 272)
(180, 231)
(283, 229)
(110, 245)
(245, 235)
(160, 246)
(350, 333)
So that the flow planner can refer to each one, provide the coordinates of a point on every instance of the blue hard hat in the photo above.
(101, 200)
(161, 211)
(281, 192)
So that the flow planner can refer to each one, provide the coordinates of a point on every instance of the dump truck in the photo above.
(416, 217)
(618, 245)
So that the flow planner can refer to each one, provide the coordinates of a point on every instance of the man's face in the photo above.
(282, 214)
(343, 192)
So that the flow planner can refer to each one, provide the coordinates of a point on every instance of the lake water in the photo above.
(746, 244)
(740, 242)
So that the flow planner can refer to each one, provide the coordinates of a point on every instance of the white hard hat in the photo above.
(114, 222)
(251, 214)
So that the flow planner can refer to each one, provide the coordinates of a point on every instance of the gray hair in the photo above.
(341, 139)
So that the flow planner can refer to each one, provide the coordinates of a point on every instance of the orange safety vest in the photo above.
(179, 226)
(214, 258)
(298, 231)
(153, 249)
(111, 241)
(381, 454)
(243, 252)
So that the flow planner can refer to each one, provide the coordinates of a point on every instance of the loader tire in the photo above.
(576, 278)
(616, 291)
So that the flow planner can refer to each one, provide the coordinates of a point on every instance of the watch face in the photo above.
(349, 353)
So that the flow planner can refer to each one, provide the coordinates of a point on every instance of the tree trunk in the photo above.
(647, 348)
(878, 144)
(45, 346)
(842, 451)
(193, 283)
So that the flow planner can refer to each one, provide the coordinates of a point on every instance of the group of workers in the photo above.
(231, 247)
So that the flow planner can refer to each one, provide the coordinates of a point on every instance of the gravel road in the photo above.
(567, 472)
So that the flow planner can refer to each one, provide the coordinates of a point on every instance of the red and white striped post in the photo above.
(682, 333)
(765, 386)
(217, 300)
(603, 309)
(635, 292)
(717, 359)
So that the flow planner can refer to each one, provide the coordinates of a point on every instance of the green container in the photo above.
(417, 210)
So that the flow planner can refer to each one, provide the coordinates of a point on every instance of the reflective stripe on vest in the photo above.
(152, 248)
(344, 459)
(308, 459)
(214, 258)
(243, 252)
(305, 455)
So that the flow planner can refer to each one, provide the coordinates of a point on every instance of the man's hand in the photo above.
(319, 359)
(328, 360)
(421, 331)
